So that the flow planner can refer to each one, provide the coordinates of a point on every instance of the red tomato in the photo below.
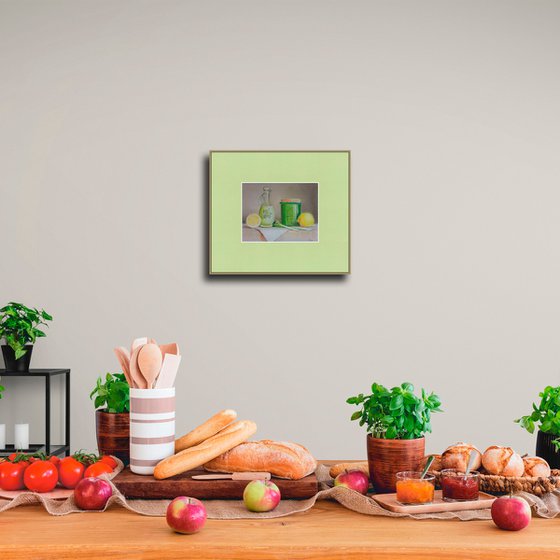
(70, 472)
(54, 460)
(11, 475)
(97, 469)
(12, 456)
(107, 459)
(40, 476)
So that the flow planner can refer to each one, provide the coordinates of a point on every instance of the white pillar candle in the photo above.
(2, 436)
(21, 438)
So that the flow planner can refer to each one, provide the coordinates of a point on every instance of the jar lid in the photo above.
(291, 200)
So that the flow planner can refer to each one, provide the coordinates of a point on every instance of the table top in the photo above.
(328, 531)
(34, 372)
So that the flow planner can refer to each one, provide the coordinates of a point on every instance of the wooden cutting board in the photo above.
(389, 501)
(141, 486)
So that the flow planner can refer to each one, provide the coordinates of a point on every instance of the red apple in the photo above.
(511, 513)
(186, 515)
(355, 480)
(261, 495)
(92, 493)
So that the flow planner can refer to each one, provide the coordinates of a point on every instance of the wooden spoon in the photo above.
(124, 360)
(149, 363)
(135, 373)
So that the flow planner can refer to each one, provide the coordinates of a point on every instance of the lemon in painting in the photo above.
(306, 219)
(253, 220)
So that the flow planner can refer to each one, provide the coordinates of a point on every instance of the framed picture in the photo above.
(279, 212)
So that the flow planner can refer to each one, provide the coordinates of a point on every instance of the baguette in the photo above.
(206, 430)
(196, 456)
(280, 458)
(335, 470)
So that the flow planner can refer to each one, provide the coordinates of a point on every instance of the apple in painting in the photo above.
(186, 515)
(511, 514)
(355, 480)
(261, 495)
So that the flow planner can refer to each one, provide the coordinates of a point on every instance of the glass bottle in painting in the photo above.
(266, 211)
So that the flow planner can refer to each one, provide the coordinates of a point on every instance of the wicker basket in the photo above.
(495, 484)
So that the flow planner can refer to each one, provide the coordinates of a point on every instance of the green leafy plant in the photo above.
(2, 389)
(113, 395)
(395, 413)
(18, 326)
(546, 415)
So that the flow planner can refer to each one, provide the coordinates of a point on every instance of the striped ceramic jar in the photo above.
(152, 428)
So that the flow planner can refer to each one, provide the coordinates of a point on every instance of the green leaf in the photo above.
(356, 415)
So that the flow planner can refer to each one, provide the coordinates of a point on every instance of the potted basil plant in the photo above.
(396, 420)
(19, 328)
(546, 417)
(112, 419)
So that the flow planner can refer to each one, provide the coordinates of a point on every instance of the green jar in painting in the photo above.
(290, 209)
(266, 211)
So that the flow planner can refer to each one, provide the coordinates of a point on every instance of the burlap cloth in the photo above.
(547, 506)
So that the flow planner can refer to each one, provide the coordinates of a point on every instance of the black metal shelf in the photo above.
(47, 447)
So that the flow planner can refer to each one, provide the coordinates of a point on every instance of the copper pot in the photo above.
(387, 457)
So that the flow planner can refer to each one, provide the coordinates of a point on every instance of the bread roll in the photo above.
(436, 463)
(457, 456)
(335, 470)
(536, 466)
(280, 458)
(196, 456)
(206, 430)
(503, 461)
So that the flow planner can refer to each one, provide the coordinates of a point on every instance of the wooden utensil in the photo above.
(168, 371)
(138, 342)
(234, 476)
(172, 348)
(124, 360)
(135, 373)
(149, 362)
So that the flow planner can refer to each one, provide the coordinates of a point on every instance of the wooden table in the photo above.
(327, 531)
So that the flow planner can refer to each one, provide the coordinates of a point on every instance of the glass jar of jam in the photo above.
(411, 489)
(458, 487)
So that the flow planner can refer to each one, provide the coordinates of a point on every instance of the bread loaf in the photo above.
(280, 458)
(335, 470)
(196, 456)
(457, 457)
(536, 466)
(206, 430)
(503, 461)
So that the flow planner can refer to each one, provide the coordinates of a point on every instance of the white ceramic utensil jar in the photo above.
(152, 428)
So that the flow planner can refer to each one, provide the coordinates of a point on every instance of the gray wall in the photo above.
(108, 111)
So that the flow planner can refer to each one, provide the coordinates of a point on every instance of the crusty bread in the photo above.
(206, 430)
(279, 458)
(335, 470)
(196, 456)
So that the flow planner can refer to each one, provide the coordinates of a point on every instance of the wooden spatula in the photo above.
(124, 360)
(234, 476)
(135, 373)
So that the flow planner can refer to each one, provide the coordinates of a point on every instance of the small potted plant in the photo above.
(546, 417)
(18, 327)
(396, 421)
(112, 418)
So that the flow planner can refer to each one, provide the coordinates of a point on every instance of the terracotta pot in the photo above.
(387, 457)
(22, 364)
(113, 434)
(546, 449)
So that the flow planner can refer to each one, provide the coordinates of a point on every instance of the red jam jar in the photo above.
(458, 487)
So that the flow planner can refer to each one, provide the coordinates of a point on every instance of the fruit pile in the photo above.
(40, 473)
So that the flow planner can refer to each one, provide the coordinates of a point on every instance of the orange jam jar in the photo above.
(411, 489)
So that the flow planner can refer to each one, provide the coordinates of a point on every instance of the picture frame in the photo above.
(274, 212)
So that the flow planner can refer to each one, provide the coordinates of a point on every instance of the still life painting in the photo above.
(275, 212)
